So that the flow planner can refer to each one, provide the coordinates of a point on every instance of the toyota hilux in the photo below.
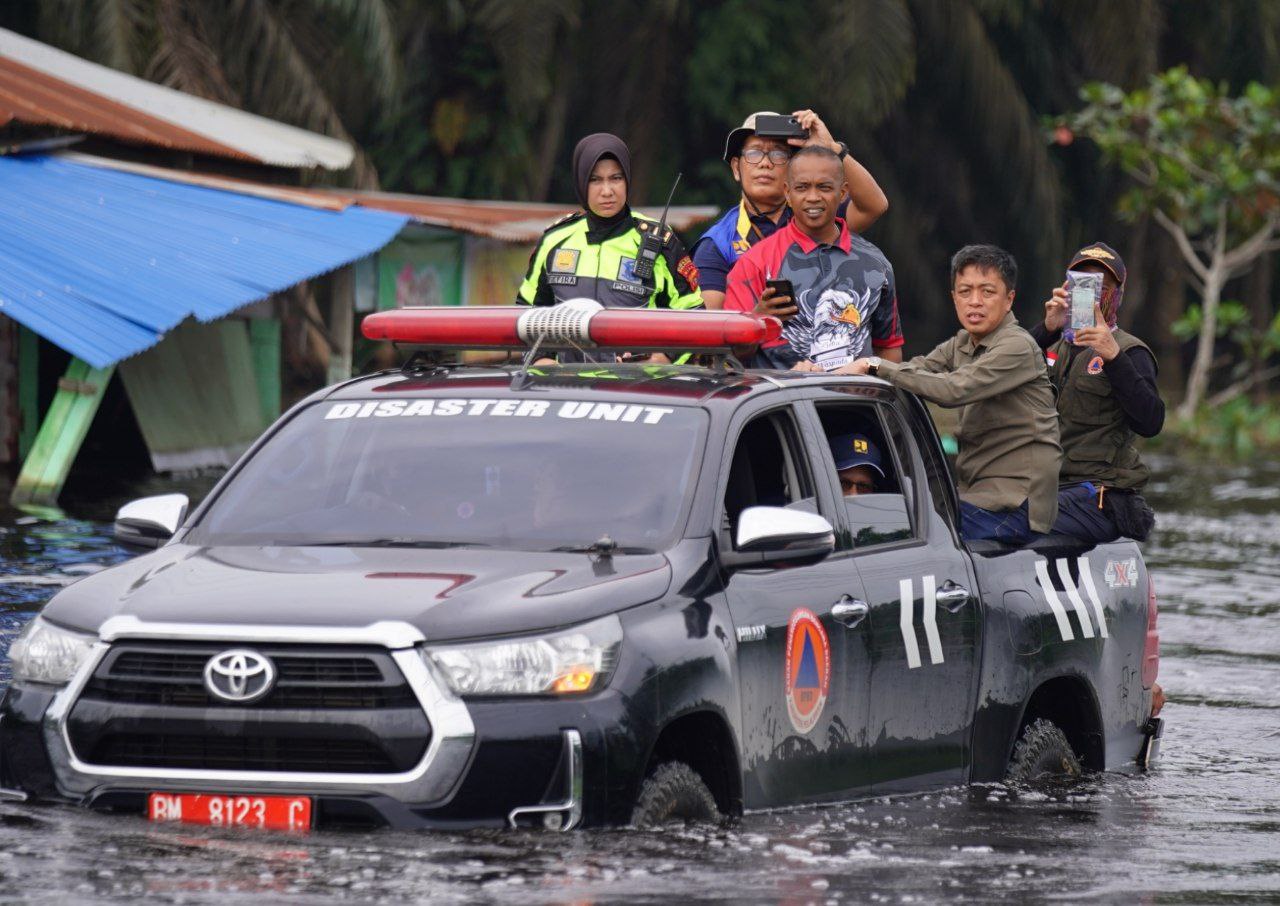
(456, 595)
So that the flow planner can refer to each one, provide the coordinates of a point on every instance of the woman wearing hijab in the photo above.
(592, 254)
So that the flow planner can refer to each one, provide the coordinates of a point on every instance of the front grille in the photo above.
(333, 709)
(341, 756)
(169, 676)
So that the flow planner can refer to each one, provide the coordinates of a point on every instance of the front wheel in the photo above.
(674, 792)
(1042, 754)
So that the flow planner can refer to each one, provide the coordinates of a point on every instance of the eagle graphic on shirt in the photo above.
(835, 333)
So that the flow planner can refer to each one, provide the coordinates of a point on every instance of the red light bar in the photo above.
(566, 327)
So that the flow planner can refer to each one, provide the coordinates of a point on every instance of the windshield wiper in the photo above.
(604, 546)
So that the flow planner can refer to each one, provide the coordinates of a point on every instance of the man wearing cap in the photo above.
(845, 301)
(1107, 395)
(759, 166)
(857, 462)
(992, 370)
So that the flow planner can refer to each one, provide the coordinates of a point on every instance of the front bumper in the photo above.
(488, 763)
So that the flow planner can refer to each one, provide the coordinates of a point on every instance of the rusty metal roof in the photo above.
(46, 86)
(509, 221)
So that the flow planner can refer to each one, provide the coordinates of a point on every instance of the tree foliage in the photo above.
(943, 101)
(1206, 164)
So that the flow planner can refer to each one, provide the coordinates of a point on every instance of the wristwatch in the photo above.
(843, 152)
(873, 365)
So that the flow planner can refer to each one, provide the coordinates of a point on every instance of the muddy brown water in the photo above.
(1202, 828)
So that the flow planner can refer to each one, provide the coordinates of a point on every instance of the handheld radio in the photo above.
(651, 245)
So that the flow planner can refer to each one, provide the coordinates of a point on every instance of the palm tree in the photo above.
(317, 64)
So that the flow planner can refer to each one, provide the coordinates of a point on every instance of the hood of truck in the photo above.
(460, 593)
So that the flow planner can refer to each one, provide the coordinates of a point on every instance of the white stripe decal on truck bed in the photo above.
(1086, 579)
(1051, 596)
(1073, 595)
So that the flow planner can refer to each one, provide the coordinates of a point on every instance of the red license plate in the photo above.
(289, 813)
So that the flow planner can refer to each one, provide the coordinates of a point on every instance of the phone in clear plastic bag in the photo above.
(1084, 291)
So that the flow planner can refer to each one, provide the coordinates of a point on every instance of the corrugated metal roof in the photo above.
(512, 221)
(41, 84)
(311, 198)
(102, 263)
(509, 221)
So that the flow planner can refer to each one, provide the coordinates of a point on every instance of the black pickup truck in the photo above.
(455, 596)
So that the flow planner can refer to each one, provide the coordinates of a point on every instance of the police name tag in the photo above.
(634, 288)
(563, 279)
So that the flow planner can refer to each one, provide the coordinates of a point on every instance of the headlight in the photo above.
(574, 661)
(43, 653)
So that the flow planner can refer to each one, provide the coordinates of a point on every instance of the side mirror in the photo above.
(774, 534)
(150, 521)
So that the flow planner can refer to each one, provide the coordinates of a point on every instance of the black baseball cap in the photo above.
(1103, 254)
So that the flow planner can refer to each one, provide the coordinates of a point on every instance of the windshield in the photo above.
(515, 473)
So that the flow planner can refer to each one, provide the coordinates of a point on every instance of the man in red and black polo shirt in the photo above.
(845, 300)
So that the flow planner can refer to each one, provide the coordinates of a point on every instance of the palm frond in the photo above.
(991, 117)
(524, 40)
(871, 44)
(279, 80)
(184, 58)
(118, 27)
(375, 38)
(65, 24)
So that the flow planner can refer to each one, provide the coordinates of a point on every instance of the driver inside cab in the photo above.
(858, 464)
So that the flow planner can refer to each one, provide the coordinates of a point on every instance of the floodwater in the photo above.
(1204, 827)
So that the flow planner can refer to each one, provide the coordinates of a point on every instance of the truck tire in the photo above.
(674, 792)
(1042, 754)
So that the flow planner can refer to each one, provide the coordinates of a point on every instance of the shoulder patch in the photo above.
(564, 221)
(687, 269)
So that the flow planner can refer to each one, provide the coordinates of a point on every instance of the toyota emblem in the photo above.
(239, 676)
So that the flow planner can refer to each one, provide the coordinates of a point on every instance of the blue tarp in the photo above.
(102, 263)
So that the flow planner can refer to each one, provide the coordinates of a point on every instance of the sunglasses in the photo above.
(755, 155)
(862, 487)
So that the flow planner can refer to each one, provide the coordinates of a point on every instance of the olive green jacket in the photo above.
(1097, 443)
(1008, 433)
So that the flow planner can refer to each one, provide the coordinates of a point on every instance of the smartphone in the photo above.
(781, 288)
(1084, 291)
(772, 125)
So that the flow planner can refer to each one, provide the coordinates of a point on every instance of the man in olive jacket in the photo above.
(1007, 470)
(1107, 396)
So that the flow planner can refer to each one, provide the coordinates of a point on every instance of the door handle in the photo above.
(952, 596)
(849, 612)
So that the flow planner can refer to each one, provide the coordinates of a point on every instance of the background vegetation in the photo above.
(949, 102)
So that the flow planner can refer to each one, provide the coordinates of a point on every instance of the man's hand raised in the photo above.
(776, 304)
(819, 134)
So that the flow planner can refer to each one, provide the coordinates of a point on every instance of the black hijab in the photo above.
(586, 155)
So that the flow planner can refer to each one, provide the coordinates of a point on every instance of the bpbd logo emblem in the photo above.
(808, 669)
(239, 675)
